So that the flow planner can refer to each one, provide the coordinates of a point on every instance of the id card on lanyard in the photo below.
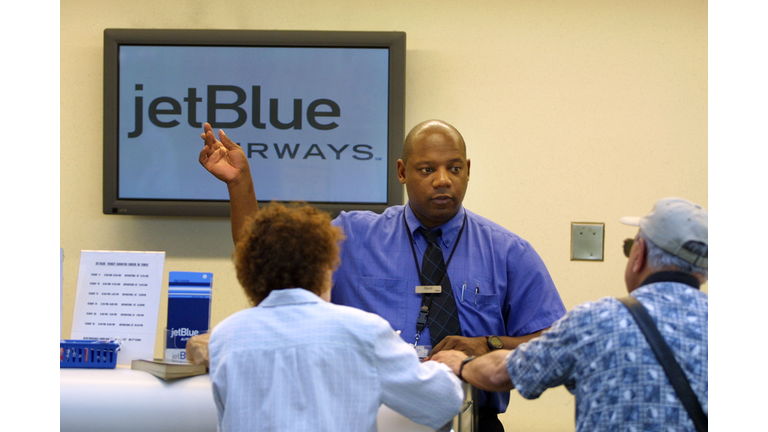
(426, 291)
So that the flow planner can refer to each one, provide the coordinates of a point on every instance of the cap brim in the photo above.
(630, 220)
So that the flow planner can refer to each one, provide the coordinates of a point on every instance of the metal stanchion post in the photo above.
(466, 421)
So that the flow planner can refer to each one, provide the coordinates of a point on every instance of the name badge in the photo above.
(423, 351)
(429, 289)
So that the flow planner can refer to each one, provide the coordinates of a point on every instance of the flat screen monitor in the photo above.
(319, 114)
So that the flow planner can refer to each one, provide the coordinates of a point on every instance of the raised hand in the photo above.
(222, 158)
(226, 160)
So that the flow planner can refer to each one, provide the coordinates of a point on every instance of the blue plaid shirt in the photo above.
(601, 356)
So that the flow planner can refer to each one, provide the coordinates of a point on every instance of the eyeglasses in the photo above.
(628, 246)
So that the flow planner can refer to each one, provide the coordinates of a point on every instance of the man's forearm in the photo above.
(489, 372)
(511, 342)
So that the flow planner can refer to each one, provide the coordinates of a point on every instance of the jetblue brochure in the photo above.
(189, 311)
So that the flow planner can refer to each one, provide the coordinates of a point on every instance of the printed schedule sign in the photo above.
(118, 297)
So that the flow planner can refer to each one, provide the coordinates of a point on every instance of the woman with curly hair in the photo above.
(296, 362)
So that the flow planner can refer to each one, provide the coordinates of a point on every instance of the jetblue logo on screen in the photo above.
(170, 110)
(166, 112)
(292, 151)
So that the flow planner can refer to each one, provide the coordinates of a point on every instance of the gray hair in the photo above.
(658, 257)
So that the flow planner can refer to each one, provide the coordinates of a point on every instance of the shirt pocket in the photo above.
(479, 308)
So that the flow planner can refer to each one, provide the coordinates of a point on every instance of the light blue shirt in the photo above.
(500, 283)
(298, 363)
(601, 356)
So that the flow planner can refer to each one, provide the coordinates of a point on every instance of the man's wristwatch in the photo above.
(494, 343)
(461, 368)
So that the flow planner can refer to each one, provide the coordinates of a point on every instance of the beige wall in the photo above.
(580, 111)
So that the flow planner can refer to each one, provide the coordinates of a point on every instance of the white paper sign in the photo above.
(118, 297)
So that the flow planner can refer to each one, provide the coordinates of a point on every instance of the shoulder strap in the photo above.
(667, 360)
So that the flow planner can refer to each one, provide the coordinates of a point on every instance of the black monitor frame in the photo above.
(113, 38)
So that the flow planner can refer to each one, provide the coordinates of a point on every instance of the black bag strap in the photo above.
(667, 360)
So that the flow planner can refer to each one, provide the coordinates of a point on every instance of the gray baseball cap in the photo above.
(672, 223)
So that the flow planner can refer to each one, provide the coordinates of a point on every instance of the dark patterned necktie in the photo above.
(443, 316)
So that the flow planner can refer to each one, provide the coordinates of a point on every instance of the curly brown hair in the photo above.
(286, 248)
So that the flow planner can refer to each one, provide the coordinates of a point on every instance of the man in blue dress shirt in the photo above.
(503, 292)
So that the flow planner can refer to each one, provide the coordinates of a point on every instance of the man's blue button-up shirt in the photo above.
(500, 283)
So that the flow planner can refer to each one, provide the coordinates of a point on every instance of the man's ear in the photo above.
(401, 171)
(641, 258)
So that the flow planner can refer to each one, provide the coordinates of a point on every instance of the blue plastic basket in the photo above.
(88, 354)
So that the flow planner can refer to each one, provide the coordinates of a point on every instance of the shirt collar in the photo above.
(672, 276)
(450, 229)
(289, 296)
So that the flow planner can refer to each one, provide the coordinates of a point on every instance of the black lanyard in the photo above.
(426, 300)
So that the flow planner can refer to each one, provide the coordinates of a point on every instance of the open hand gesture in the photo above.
(222, 158)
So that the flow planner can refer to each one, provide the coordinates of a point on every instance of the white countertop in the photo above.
(122, 399)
